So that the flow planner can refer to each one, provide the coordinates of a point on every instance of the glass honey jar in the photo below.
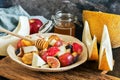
(64, 23)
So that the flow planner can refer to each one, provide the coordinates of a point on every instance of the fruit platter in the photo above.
(55, 52)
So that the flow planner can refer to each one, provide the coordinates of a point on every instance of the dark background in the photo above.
(47, 8)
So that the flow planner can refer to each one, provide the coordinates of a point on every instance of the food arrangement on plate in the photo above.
(55, 53)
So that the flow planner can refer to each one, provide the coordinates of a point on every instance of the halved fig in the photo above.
(53, 62)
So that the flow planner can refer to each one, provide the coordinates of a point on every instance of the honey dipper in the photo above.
(39, 43)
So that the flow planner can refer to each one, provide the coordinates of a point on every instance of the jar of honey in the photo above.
(64, 23)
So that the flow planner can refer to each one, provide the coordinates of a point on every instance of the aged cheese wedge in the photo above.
(28, 49)
(23, 29)
(105, 54)
(37, 61)
(62, 50)
(96, 22)
(91, 44)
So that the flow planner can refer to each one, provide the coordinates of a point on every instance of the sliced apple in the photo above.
(105, 54)
(91, 44)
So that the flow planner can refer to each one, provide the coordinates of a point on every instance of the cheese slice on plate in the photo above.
(28, 49)
(37, 61)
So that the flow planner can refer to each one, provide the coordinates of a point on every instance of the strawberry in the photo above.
(77, 48)
(50, 52)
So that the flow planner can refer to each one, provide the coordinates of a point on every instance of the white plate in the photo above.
(81, 60)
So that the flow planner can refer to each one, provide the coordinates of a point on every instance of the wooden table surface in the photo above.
(12, 70)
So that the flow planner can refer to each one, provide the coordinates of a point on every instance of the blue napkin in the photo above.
(9, 17)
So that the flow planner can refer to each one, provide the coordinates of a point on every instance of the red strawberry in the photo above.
(77, 48)
(50, 52)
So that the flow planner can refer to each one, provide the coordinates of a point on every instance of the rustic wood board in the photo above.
(12, 70)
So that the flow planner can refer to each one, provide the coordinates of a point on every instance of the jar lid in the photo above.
(67, 17)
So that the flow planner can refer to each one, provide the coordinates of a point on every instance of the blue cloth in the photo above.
(9, 17)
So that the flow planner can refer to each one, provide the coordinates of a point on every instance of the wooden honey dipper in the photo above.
(39, 43)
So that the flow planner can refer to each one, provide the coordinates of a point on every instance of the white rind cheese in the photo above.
(37, 61)
(29, 49)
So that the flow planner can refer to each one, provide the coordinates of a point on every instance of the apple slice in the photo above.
(37, 61)
(91, 44)
(105, 55)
